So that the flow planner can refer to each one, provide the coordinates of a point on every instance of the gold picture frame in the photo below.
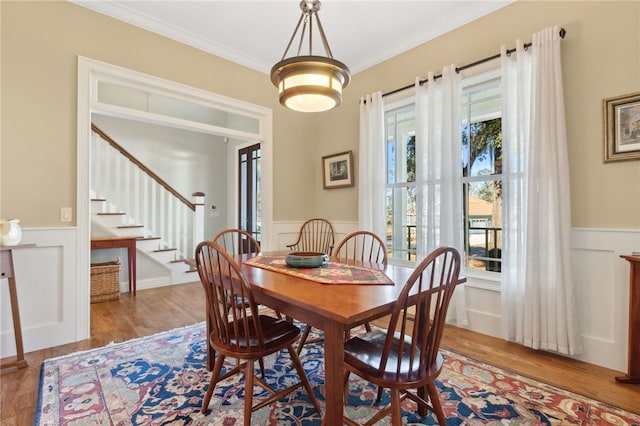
(337, 170)
(622, 128)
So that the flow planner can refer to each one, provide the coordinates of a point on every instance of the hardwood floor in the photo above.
(579, 377)
(165, 308)
(151, 311)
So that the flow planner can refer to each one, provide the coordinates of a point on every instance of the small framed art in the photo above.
(337, 170)
(622, 128)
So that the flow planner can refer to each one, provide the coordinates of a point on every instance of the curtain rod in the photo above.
(563, 32)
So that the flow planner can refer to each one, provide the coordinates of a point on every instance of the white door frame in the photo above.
(90, 72)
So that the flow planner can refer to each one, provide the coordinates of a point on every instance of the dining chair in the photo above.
(244, 334)
(236, 242)
(363, 246)
(406, 356)
(316, 235)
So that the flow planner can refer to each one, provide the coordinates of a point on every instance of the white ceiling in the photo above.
(256, 33)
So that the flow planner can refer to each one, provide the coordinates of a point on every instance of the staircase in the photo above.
(154, 248)
(128, 199)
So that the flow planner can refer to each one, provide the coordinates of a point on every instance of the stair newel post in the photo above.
(198, 219)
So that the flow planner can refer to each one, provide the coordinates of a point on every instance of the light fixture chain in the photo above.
(327, 49)
(304, 30)
(311, 32)
(293, 36)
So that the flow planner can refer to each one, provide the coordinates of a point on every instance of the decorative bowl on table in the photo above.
(306, 259)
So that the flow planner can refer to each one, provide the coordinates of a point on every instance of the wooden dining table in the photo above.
(332, 308)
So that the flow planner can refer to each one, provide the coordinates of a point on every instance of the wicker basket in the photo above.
(105, 281)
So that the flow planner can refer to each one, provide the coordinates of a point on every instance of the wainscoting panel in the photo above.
(54, 310)
(601, 281)
(47, 294)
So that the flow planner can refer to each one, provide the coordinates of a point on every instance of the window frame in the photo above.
(488, 280)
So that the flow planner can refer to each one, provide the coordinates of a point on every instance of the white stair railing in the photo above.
(147, 200)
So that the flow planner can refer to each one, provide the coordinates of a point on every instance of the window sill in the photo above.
(483, 280)
(476, 279)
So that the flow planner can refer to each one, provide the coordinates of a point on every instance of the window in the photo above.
(482, 175)
(401, 182)
(481, 139)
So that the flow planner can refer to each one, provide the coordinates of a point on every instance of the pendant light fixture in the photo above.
(310, 83)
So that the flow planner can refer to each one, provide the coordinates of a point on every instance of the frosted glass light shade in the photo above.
(310, 83)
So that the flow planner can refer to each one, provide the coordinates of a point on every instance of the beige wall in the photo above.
(41, 41)
(40, 45)
(601, 59)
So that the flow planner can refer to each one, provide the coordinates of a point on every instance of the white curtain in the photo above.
(538, 304)
(439, 171)
(371, 175)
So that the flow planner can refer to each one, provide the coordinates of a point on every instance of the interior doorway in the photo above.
(114, 91)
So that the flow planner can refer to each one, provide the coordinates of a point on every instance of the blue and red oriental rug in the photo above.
(161, 380)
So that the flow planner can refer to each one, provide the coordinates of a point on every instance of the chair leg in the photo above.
(367, 326)
(261, 362)
(434, 396)
(396, 411)
(379, 396)
(248, 392)
(303, 339)
(303, 378)
(211, 353)
(212, 384)
(346, 387)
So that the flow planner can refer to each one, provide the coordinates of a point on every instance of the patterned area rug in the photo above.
(161, 379)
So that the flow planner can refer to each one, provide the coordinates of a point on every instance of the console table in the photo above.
(633, 371)
(129, 243)
(6, 271)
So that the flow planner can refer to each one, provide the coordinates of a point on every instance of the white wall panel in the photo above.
(602, 287)
(47, 292)
(601, 280)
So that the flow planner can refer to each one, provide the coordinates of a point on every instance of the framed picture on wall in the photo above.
(337, 170)
(622, 128)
